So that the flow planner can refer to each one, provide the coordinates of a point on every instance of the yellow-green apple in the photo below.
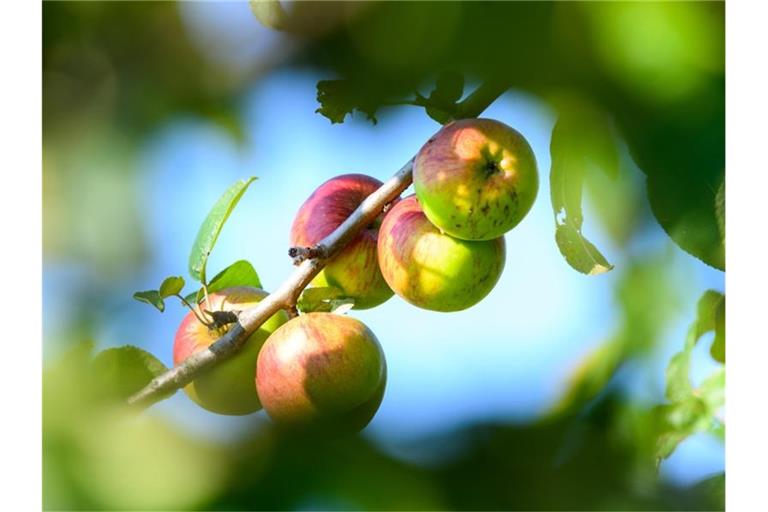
(431, 269)
(320, 371)
(354, 270)
(476, 178)
(227, 388)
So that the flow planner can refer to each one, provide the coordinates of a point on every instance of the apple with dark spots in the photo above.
(227, 388)
(354, 270)
(321, 371)
(431, 269)
(476, 179)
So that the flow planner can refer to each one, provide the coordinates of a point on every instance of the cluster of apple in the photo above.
(441, 249)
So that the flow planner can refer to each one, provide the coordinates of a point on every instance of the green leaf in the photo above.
(151, 297)
(211, 227)
(582, 138)
(339, 98)
(720, 209)
(240, 273)
(579, 252)
(117, 373)
(322, 298)
(171, 286)
(678, 370)
(712, 391)
(718, 346)
(707, 311)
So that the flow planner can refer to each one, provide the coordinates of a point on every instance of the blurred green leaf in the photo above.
(323, 298)
(171, 286)
(339, 98)
(211, 227)
(240, 273)
(151, 297)
(720, 209)
(718, 345)
(117, 373)
(707, 312)
(691, 410)
(581, 138)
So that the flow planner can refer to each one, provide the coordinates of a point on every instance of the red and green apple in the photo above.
(321, 370)
(354, 270)
(476, 179)
(227, 388)
(431, 269)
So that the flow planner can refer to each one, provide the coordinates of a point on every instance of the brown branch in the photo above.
(285, 296)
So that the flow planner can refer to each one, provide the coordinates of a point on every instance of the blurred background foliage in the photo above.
(637, 89)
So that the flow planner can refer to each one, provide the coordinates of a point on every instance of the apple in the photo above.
(321, 370)
(431, 269)
(354, 270)
(476, 179)
(227, 388)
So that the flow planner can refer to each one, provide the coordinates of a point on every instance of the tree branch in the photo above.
(285, 296)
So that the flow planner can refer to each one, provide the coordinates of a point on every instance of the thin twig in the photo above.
(286, 295)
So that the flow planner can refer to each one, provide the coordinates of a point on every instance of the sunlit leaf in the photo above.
(171, 286)
(581, 138)
(579, 252)
(211, 227)
(151, 297)
(240, 273)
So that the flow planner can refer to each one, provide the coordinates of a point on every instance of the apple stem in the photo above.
(194, 310)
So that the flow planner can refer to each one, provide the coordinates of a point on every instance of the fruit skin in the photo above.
(433, 270)
(227, 388)
(322, 371)
(355, 270)
(476, 179)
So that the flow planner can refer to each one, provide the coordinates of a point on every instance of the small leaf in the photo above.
(211, 227)
(338, 98)
(117, 373)
(322, 298)
(240, 273)
(579, 252)
(171, 286)
(151, 297)
(677, 375)
(718, 346)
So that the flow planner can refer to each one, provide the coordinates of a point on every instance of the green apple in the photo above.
(227, 388)
(321, 371)
(431, 269)
(476, 179)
